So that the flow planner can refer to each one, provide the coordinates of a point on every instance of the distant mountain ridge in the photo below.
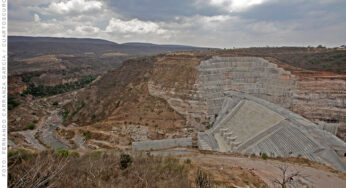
(24, 46)
(162, 45)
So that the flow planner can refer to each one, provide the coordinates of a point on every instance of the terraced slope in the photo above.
(321, 99)
(248, 101)
(257, 126)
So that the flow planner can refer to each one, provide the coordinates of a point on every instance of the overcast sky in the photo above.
(212, 23)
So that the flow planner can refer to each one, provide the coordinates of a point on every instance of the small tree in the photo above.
(125, 160)
(264, 156)
(287, 176)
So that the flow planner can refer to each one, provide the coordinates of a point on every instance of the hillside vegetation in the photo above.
(315, 59)
(110, 169)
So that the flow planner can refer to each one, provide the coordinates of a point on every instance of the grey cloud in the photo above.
(161, 10)
(294, 10)
(190, 22)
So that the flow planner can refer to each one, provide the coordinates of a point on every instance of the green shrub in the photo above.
(93, 116)
(42, 91)
(55, 103)
(87, 135)
(30, 127)
(96, 154)
(63, 153)
(264, 156)
(11, 103)
(188, 161)
(12, 154)
(74, 154)
(35, 121)
(125, 160)
(65, 114)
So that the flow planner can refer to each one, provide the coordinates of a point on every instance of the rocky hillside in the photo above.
(178, 94)
(36, 62)
(164, 92)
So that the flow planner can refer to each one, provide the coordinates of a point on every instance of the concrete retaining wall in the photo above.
(162, 144)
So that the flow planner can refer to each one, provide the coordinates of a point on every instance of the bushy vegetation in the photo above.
(26, 77)
(264, 156)
(79, 106)
(87, 135)
(65, 114)
(63, 153)
(125, 160)
(30, 127)
(11, 103)
(43, 91)
(60, 169)
(322, 61)
(67, 153)
(317, 59)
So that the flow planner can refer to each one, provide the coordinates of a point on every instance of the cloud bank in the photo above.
(213, 23)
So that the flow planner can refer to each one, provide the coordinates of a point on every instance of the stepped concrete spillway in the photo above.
(247, 103)
(258, 126)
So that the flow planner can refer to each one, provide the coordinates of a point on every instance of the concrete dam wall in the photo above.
(197, 89)
(248, 101)
(250, 105)
(255, 76)
(322, 100)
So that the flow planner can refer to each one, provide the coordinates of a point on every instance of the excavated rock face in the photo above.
(196, 89)
(174, 79)
(248, 100)
(320, 99)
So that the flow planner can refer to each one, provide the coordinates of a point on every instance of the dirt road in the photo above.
(267, 170)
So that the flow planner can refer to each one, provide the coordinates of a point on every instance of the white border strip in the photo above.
(3, 95)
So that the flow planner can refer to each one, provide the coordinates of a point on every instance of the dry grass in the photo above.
(96, 169)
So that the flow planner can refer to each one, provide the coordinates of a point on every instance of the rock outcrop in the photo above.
(196, 89)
